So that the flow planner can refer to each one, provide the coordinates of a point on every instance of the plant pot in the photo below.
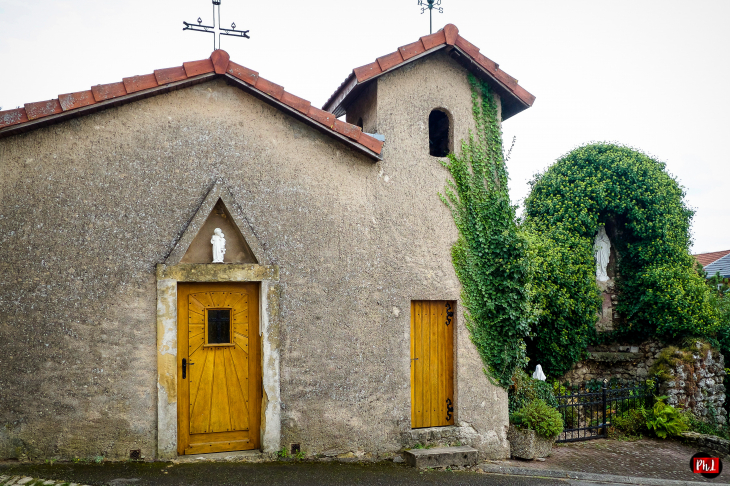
(526, 444)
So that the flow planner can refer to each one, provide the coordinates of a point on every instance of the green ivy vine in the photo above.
(661, 293)
(491, 256)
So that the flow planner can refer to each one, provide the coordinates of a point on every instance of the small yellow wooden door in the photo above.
(219, 370)
(432, 363)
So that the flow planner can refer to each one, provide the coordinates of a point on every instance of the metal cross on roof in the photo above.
(430, 5)
(217, 30)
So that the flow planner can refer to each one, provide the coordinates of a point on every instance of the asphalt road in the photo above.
(269, 474)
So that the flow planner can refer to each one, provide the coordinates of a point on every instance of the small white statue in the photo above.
(219, 245)
(538, 374)
(602, 251)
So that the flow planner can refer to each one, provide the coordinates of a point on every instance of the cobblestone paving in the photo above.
(649, 458)
(28, 481)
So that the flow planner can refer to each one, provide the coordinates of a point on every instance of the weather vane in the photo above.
(430, 5)
(219, 30)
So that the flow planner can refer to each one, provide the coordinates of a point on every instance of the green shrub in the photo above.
(525, 389)
(631, 423)
(665, 420)
(540, 417)
(662, 295)
(709, 427)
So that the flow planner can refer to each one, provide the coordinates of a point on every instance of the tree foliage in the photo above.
(491, 256)
(661, 293)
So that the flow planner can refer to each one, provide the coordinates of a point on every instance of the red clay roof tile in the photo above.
(411, 50)
(451, 32)
(350, 131)
(324, 117)
(467, 47)
(13, 117)
(103, 92)
(170, 75)
(42, 108)
(296, 102)
(705, 259)
(139, 83)
(433, 40)
(243, 73)
(367, 71)
(220, 62)
(71, 101)
(448, 35)
(220, 59)
(195, 68)
(271, 89)
(388, 61)
(487, 63)
(505, 78)
(371, 142)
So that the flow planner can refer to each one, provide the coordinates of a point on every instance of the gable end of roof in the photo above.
(40, 114)
(514, 97)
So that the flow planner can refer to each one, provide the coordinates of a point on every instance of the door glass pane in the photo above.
(219, 326)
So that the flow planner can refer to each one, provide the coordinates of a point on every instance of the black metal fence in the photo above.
(587, 409)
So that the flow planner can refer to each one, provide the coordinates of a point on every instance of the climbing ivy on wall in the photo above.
(491, 256)
(661, 293)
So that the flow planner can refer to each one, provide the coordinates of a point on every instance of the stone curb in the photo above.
(27, 480)
(603, 478)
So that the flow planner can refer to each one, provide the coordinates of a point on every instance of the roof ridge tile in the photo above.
(39, 109)
(195, 68)
(13, 117)
(140, 82)
(170, 75)
(103, 92)
(79, 99)
(433, 40)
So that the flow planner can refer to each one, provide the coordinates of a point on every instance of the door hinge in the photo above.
(449, 409)
(449, 313)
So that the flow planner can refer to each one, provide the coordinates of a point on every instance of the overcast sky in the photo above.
(653, 75)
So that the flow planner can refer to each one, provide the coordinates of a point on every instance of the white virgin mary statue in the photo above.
(219, 245)
(602, 251)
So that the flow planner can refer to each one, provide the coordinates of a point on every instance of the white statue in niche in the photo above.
(538, 374)
(602, 251)
(219, 245)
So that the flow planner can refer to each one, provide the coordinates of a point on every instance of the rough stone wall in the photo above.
(88, 207)
(698, 385)
(625, 361)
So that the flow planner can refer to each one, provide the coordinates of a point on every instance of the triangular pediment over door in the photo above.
(218, 210)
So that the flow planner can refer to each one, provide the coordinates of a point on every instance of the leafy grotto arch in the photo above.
(662, 295)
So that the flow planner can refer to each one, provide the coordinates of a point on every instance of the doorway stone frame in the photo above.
(169, 274)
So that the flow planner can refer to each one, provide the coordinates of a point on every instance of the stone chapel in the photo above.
(334, 323)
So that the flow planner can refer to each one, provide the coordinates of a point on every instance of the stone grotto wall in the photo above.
(695, 383)
(698, 385)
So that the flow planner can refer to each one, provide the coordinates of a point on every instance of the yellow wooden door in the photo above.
(432, 363)
(219, 370)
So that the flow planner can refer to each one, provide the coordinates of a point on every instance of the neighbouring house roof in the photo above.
(514, 97)
(705, 259)
(721, 265)
(100, 97)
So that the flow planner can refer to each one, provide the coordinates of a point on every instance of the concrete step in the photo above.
(442, 457)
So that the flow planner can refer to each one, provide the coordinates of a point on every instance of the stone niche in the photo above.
(608, 318)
